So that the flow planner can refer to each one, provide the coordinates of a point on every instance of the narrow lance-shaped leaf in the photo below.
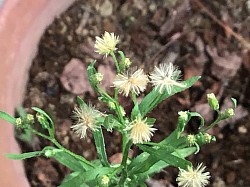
(24, 155)
(51, 127)
(85, 177)
(100, 147)
(7, 117)
(169, 158)
(151, 100)
(65, 159)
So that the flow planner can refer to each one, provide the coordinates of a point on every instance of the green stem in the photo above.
(125, 153)
(116, 62)
(134, 98)
(124, 173)
(212, 124)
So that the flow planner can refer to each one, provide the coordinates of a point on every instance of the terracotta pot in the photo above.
(22, 23)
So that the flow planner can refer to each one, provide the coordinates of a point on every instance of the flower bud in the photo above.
(191, 139)
(96, 78)
(127, 62)
(105, 180)
(111, 105)
(30, 118)
(212, 101)
(229, 113)
(18, 122)
(183, 116)
(49, 153)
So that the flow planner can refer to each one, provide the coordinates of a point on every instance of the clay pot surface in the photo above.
(22, 22)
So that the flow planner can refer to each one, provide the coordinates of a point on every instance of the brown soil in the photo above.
(150, 32)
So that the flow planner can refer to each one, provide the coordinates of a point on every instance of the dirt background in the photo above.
(207, 38)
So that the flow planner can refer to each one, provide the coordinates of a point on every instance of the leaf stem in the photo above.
(212, 124)
(116, 62)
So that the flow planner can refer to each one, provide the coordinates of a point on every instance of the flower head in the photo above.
(86, 117)
(165, 77)
(193, 177)
(140, 131)
(135, 81)
(106, 44)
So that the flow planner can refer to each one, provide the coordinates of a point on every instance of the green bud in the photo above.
(191, 139)
(212, 101)
(123, 113)
(96, 78)
(229, 113)
(183, 116)
(30, 118)
(105, 180)
(127, 62)
(99, 77)
(42, 120)
(111, 105)
(49, 153)
(208, 138)
(19, 122)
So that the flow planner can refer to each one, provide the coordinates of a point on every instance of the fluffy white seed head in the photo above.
(165, 77)
(86, 119)
(140, 131)
(133, 80)
(106, 44)
(193, 177)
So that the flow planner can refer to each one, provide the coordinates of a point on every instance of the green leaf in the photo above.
(7, 117)
(151, 100)
(66, 159)
(80, 102)
(75, 179)
(84, 177)
(165, 156)
(51, 127)
(158, 166)
(24, 155)
(144, 161)
(110, 122)
(100, 147)
(135, 112)
(235, 102)
(196, 114)
(91, 72)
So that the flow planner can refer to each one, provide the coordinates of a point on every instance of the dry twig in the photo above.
(228, 29)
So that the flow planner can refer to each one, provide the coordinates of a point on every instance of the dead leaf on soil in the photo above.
(74, 77)
(177, 18)
(226, 66)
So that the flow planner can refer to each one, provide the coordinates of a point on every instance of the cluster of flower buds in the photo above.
(24, 123)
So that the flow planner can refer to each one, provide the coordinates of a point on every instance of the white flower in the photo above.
(140, 131)
(135, 81)
(106, 44)
(193, 177)
(86, 117)
(165, 77)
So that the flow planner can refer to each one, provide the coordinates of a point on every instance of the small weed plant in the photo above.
(136, 128)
